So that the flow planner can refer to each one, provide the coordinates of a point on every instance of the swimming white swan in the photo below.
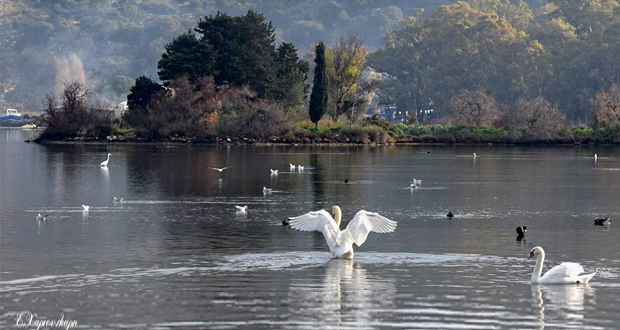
(242, 209)
(105, 162)
(219, 169)
(274, 172)
(85, 208)
(564, 273)
(340, 242)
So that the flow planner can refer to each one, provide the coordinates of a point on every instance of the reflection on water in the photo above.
(567, 302)
(346, 295)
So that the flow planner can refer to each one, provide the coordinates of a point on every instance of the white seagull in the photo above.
(219, 169)
(274, 172)
(416, 182)
(242, 209)
(85, 208)
(300, 167)
(564, 273)
(475, 155)
(292, 167)
(266, 190)
(41, 217)
(595, 156)
(340, 242)
(105, 162)
(118, 200)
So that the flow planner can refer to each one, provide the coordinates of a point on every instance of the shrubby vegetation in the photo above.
(76, 116)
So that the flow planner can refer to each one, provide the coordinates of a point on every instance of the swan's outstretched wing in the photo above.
(318, 220)
(365, 222)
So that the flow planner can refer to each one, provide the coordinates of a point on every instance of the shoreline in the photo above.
(323, 139)
(323, 142)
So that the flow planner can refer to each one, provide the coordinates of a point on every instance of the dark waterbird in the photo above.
(602, 221)
(521, 233)
(450, 215)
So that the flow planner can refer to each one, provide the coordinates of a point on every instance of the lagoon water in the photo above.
(175, 254)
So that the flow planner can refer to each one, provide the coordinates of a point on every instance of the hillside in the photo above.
(44, 44)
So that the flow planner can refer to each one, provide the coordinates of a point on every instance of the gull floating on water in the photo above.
(416, 182)
(266, 190)
(595, 156)
(85, 208)
(340, 242)
(292, 166)
(105, 162)
(564, 273)
(274, 172)
(475, 155)
(219, 169)
(118, 200)
(242, 209)
(300, 167)
(41, 217)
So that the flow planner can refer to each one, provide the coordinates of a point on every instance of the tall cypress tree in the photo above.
(318, 97)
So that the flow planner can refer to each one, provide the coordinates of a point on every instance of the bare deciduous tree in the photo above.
(473, 108)
(75, 113)
(540, 117)
(606, 108)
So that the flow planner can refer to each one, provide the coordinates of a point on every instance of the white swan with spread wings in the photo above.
(340, 242)
(564, 273)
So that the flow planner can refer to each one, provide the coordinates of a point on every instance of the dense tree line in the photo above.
(226, 75)
(482, 63)
(113, 42)
(563, 54)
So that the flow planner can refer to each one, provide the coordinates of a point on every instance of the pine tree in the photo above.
(318, 97)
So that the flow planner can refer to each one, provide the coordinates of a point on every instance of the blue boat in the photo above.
(11, 114)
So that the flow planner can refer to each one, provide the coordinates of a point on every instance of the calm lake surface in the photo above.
(176, 255)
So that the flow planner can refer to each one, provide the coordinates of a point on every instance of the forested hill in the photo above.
(111, 42)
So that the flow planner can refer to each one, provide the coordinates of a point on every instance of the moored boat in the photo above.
(11, 114)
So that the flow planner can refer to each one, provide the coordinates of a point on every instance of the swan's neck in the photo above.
(538, 268)
(337, 215)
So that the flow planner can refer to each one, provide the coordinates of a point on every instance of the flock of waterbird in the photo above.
(340, 242)
(86, 208)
